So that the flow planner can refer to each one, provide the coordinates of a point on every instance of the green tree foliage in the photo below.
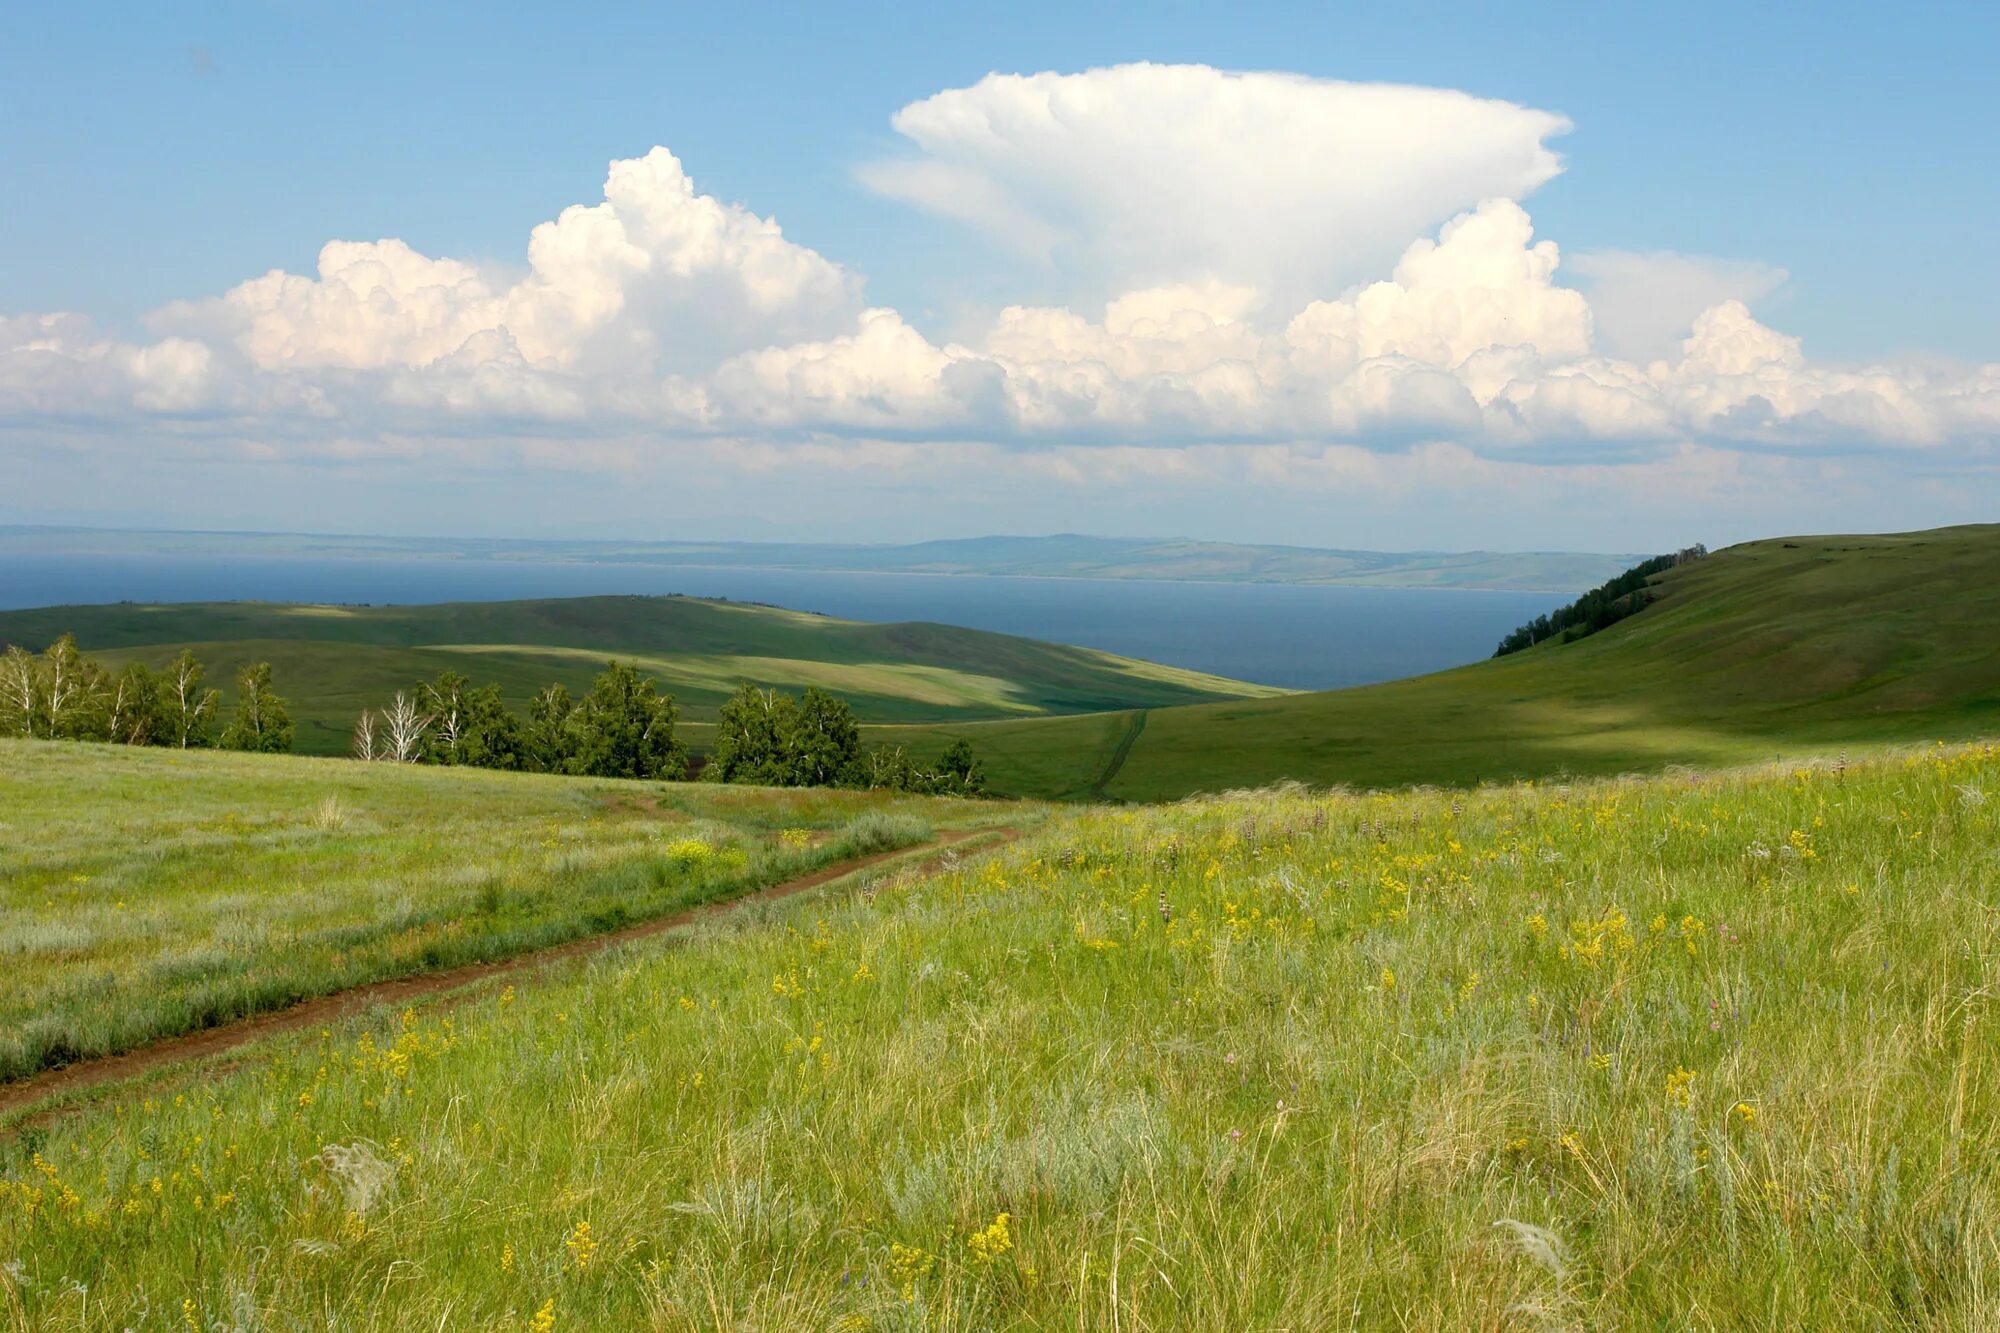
(187, 707)
(624, 728)
(20, 693)
(72, 693)
(60, 694)
(471, 725)
(261, 722)
(132, 706)
(1604, 605)
(549, 743)
(958, 771)
(822, 742)
(753, 734)
(494, 737)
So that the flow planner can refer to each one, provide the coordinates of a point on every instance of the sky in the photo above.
(1396, 276)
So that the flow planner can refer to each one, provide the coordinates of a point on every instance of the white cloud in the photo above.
(1144, 175)
(1242, 317)
(1645, 303)
(655, 277)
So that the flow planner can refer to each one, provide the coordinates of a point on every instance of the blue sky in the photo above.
(154, 154)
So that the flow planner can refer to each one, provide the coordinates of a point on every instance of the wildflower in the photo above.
(1388, 980)
(1539, 924)
(1602, 1060)
(1680, 1087)
(909, 1265)
(507, 1258)
(988, 1245)
(582, 1246)
(545, 1318)
(864, 973)
(1744, 1114)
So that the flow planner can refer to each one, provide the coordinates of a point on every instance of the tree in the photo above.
(72, 692)
(445, 697)
(188, 709)
(20, 694)
(624, 728)
(491, 736)
(367, 746)
(752, 734)
(888, 768)
(404, 728)
(132, 707)
(549, 741)
(261, 722)
(958, 771)
(821, 742)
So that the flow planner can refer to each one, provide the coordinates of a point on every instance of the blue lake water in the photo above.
(1303, 637)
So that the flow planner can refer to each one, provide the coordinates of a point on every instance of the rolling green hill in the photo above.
(1787, 645)
(333, 661)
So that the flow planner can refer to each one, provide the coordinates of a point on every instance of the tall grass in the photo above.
(145, 894)
(1701, 1051)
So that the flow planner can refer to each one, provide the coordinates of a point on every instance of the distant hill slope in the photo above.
(1784, 645)
(333, 661)
(1064, 555)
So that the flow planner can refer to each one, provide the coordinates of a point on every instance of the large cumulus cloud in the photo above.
(1283, 262)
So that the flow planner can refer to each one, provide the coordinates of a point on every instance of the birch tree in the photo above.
(190, 708)
(20, 693)
(133, 706)
(450, 711)
(406, 728)
(366, 747)
(261, 721)
(72, 692)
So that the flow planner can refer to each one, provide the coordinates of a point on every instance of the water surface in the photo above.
(1277, 634)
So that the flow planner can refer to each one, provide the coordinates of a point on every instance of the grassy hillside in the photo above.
(1696, 1052)
(145, 893)
(333, 661)
(1792, 645)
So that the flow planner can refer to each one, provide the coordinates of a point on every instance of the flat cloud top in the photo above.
(1143, 174)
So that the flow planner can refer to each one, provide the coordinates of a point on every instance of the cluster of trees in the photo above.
(1606, 604)
(622, 728)
(813, 740)
(60, 694)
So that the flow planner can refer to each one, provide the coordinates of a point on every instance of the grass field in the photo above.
(331, 662)
(1703, 1051)
(1787, 646)
(146, 893)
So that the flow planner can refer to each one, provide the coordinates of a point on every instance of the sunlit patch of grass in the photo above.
(1707, 1050)
(144, 893)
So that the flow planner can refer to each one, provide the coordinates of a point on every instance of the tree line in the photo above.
(624, 727)
(1606, 604)
(60, 694)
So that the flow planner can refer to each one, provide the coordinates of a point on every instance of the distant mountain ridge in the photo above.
(1063, 555)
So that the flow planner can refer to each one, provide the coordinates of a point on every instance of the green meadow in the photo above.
(147, 893)
(1789, 646)
(1702, 1051)
(332, 662)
